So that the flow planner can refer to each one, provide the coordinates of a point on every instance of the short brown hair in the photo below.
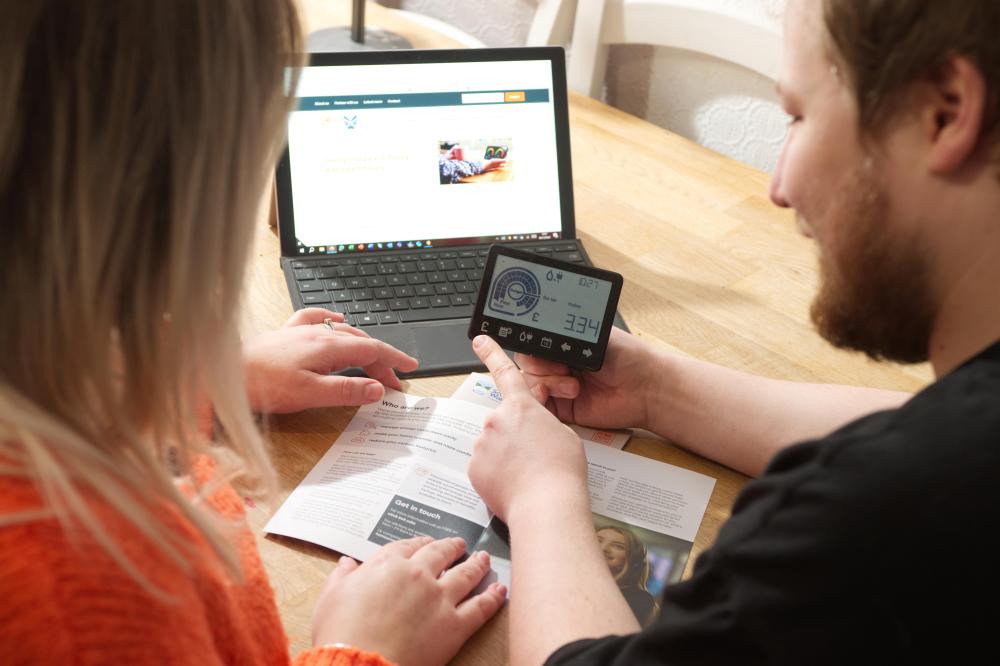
(886, 45)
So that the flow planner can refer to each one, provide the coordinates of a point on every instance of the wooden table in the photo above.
(712, 269)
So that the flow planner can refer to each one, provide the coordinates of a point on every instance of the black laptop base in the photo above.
(419, 301)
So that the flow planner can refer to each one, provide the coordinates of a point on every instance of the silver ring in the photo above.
(329, 324)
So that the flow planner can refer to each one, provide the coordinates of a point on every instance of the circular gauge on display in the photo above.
(515, 292)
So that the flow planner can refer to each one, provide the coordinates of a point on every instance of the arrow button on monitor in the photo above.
(586, 352)
(565, 347)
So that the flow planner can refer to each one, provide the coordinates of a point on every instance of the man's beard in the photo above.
(874, 294)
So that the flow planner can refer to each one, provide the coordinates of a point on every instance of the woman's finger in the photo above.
(349, 350)
(347, 329)
(307, 316)
(337, 390)
(463, 578)
(383, 375)
(438, 555)
(345, 565)
(404, 548)
(475, 611)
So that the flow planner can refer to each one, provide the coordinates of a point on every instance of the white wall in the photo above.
(718, 104)
(494, 22)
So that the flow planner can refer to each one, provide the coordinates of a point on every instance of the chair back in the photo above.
(691, 25)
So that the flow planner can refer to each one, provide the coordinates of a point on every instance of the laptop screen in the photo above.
(418, 154)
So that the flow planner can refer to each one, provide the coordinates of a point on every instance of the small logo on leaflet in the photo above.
(603, 437)
(491, 392)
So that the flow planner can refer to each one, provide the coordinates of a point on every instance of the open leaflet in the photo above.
(400, 469)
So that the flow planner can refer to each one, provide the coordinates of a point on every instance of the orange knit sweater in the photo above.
(64, 601)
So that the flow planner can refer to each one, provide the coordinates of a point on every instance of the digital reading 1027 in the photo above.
(545, 307)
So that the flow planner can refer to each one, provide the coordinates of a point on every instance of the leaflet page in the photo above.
(399, 469)
(645, 513)
(646, 516)
(480, 389)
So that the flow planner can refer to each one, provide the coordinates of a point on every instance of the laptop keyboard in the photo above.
(383, 289)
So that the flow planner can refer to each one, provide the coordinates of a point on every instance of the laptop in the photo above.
(403, 167)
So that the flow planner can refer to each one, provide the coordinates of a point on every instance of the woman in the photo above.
(136, 141)
(626, 558)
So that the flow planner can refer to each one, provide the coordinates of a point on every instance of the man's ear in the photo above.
(953, 115)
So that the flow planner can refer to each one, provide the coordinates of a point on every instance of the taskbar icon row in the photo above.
(419, 244)
(549, 235)
(363, 247)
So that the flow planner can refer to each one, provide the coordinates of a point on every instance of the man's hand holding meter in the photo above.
(616, 396)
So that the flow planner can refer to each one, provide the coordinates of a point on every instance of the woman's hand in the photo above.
(288, 370)
(405, 603)
(616, 396)
(524, 453)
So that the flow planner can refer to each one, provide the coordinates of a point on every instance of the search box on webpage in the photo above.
(482, 98)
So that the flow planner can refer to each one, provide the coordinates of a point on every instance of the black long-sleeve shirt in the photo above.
(876, 544)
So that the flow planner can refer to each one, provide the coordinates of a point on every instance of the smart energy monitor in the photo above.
(545, 307)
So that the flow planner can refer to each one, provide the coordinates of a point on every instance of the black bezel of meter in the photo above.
(522, 337)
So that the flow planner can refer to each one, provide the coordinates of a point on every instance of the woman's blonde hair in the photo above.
(135, 143)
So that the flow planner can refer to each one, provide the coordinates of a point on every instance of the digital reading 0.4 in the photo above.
(546, 307)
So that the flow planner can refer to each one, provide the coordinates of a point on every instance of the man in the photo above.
(867, 538)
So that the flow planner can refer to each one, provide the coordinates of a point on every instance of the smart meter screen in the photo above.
(551, 299)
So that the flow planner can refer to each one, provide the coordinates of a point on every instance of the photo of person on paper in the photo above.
(642, 561)
(626, 557)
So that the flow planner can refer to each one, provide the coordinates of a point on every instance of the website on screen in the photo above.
(381, 153)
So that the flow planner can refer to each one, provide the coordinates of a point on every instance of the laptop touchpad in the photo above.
(444, 346)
